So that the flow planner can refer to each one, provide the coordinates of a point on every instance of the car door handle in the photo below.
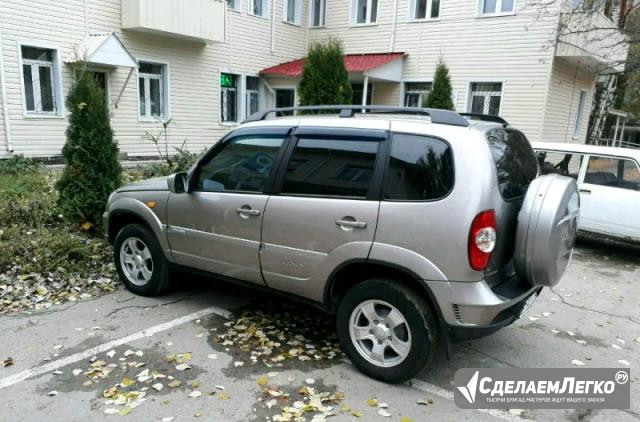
(352, 224)
(248, 211)
(585, 191)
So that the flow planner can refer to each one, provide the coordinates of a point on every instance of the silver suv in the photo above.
(416, 227)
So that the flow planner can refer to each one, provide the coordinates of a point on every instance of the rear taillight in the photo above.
(482, 239)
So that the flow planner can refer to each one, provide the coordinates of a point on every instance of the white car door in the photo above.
(610, 197)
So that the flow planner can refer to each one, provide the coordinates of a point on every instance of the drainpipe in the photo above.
(392, 44)
(5, 105)
(273, 26)
(364, 91)
(86, 17)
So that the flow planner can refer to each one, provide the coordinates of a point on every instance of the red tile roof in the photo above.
(353, 63)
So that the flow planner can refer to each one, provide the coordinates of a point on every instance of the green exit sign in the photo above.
(227, 81)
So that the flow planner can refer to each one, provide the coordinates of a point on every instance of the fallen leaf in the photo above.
(621, 341)
(195, 384)
(372, 402)
(383, 412)
(213, 356)
(168, 419)
(615, 346)
(624, 362)
(58, 372)
(238, 364)
(7, 362)
(52, 393)
(224, 396)
(581, 342)
(157, 386)
(310, 381)
(383, 405)
(182, 367)
(406, 419)
(174, 384)
(577, 362)
(125, 411)
(110, 411)
(357, 414)
(271, 403)
(111, 354)
(126, 382)
(425, 402)
(195, 393)
(262, 381)
(637, 340)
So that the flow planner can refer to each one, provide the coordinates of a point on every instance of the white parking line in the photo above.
(86, 354)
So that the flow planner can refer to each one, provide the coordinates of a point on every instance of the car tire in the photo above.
(140, 261)
(417, 333)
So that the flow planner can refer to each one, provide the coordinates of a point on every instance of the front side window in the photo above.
(151, 87)
(613, 172)
(293, 11)
(496, 7)
(565, 164)
(317, 13)
(258, 7)
(242, 165)
(364, 11)
(424, 9)
(515, 162)
(228, 97)
(38, 80)
(416, 93)
(485, 98)
(253, 95)
(420, 169)
(331, 167)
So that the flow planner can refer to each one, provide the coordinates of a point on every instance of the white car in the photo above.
(609, 183)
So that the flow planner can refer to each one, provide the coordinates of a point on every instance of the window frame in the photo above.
(284, 131)
(237, 6)
(308, 132)
(165, 91)
(248, 91)
(497, 13)
(239, 99)
(469, 99)
(387, 163)
(266, 4)
(577, 124)
(412, 11)
(323, 14)
(403, 88)
(297, 13)
(353, 13)
(585, 169)
(56, 81)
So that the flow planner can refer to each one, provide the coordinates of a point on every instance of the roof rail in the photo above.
(444, 117)
(486, 118)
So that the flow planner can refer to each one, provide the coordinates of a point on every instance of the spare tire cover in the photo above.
(547, 229)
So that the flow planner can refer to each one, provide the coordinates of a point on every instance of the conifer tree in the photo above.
(441, 92)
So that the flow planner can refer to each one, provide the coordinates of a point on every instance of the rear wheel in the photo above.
(386, 329)
(140, 261)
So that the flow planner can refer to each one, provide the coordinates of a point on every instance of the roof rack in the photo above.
(444, 117)
(486, 118)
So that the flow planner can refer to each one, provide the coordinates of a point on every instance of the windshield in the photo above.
(515, 161)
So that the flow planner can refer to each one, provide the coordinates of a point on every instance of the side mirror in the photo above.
(178, 182)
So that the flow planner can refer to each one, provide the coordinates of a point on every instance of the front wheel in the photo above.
(140, 261)
(386, 329)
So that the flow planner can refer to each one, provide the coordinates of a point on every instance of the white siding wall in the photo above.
(516, 50)
(567, 80)
(193, 69)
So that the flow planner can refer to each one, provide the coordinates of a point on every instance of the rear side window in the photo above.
(614, 172)
(515, 162)
(420, 169)
(331, 167)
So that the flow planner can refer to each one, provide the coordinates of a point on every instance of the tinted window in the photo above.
(331, 167)
(614, 172)
(242, 165)
(420, 168)
(565, 164)
(515, 161)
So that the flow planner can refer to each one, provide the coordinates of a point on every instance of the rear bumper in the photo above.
(473, 309)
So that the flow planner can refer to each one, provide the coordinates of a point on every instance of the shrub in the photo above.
(27, 198)
(325, 79)
(17, 164)
(441, 93)
(92, 169)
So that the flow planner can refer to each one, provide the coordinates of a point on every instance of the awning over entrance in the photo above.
(382, 66)
(103, 50)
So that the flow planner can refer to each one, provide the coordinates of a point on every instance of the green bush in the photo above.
(441, 93)
(182, 161)
(17, 164)
(325, 80)
(27, 198)
(92, 169)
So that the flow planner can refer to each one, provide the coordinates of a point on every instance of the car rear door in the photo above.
(610, 197)
(325, 207)
(216, 226)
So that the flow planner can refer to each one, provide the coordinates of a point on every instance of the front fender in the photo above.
(132, 206)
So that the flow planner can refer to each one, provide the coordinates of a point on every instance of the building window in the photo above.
(252, 95)
(485, 98)
(357, 91)
(496, 7)
(364, 12)
(234, 5)
(285, 97)
(258, 7)
(292, 11)
(152, 90)
(416, 93)
(39, 79)
(228, 97)
(578, 124)
(425, 9)
(317, 13)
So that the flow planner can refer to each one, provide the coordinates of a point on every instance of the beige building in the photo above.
(208, 64)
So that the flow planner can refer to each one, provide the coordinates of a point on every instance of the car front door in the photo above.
(326, 210)
(610, 197)
(216, 225)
